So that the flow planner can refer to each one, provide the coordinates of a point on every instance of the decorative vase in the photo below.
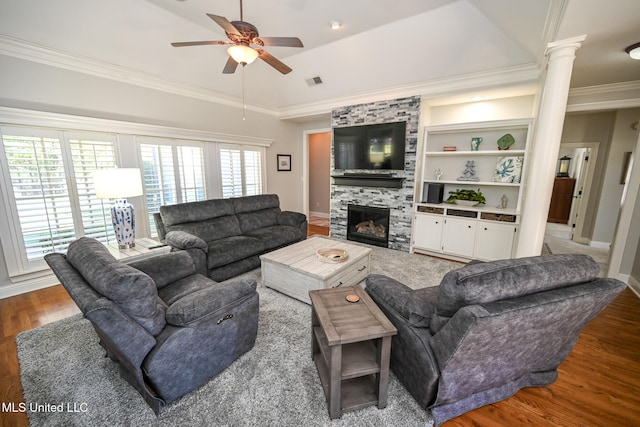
(124, 223)
(475, 143)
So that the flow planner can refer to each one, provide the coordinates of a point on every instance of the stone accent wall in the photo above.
(399, 200)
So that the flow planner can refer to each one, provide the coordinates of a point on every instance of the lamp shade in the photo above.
(242, 54)
(117, 183)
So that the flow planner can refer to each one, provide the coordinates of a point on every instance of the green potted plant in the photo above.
(466, 197)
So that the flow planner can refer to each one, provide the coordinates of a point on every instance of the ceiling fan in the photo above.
(242, 35)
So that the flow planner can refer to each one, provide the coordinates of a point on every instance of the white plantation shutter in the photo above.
(173, 172)
(191, 170)
(88, 155)
(241, 170)
(231, 172)
(253, 172)
(48, 188)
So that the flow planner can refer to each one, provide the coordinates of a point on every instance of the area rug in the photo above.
(67, 381)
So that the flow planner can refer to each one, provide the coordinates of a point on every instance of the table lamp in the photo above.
(119, 184)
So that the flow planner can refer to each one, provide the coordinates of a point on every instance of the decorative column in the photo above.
(546, 145)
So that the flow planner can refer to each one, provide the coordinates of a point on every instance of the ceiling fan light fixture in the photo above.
(634, 50)
(242, 54)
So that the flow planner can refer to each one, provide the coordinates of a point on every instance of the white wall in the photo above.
(623, 140)
(497, 109)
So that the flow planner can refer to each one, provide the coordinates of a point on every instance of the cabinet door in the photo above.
(494, 241)
(459, 236)
(427, 232)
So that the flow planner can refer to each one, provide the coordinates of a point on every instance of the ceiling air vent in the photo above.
(314, 81)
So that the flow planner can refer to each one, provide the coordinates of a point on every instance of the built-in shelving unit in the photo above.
(486, 231)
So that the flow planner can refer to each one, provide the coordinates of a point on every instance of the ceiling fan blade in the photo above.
(279, 41)
(273, 61)
(230, 66)
(225, 24)
(182, 44)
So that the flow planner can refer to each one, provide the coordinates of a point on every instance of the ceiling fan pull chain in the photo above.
(244, 106)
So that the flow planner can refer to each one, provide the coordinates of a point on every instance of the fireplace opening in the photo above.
(368, 224)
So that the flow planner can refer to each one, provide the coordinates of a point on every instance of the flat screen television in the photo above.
(377, 147)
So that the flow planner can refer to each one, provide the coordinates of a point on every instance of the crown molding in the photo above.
(614, 96)
(608, 88)
(16, 116)
(44, 55)
(432, 89)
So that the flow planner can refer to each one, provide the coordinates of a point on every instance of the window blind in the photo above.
(241, 170)
(173, 172)
(51, 191)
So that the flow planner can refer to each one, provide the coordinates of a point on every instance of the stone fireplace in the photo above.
(367, 224)
(397, 200)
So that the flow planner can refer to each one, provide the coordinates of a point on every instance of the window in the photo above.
(173, 172)
(241, 170)
(49, 191)
(89, 155)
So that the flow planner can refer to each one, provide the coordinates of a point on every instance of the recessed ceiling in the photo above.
(382, 45)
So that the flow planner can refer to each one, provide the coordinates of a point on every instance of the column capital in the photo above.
(573, 44)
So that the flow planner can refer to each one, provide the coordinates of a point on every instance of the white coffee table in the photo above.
(295, 269)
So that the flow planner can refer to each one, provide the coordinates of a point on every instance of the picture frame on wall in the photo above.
(284, 162)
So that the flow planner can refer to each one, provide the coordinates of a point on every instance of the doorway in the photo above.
(317, 185)
(567, 237)
(583, 157)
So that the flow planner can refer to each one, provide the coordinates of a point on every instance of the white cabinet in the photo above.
(459, 236)
(428, 231)
(494, 240)
(485, 231)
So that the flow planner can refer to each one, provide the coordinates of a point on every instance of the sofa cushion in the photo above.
(132, 290)
(166, 268)
(208, 301)
(230, 249)
(504, 279)
(183, 287)
(195, 211)
(277, 235)
(250, 221)
(255, 203)
(210, 229)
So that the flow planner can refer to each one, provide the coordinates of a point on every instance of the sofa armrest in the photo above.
(184, 240)
(166, 268)
(202, 304)
(417, 306)
(294, 219)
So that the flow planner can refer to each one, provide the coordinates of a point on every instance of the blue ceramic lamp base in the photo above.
(124, 223)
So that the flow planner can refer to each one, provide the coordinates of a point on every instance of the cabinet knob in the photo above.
(485, 229)
(468, 226)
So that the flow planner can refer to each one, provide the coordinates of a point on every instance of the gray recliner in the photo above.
(489, 329)
(169, 329)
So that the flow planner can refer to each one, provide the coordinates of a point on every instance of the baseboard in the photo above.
(601, 245)
(29, 285)
(319, 214)
(634, 285)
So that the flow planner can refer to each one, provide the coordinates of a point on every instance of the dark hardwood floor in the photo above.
(598, 384)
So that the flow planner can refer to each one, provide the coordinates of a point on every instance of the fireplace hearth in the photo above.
(367, 224)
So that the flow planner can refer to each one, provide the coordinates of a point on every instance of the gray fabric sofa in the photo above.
(169, 328)
(226, 237)
(489, 329)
